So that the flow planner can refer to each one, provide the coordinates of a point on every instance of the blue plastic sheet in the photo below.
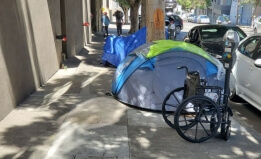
(117, 48)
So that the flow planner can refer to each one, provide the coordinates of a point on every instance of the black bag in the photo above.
(119, 15)
(191, 84)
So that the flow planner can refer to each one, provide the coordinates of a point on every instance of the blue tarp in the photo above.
(117, 48)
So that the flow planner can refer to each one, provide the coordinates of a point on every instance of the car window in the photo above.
(240, 33)
(248, 47)
(257, 53)
(226, 18)
(210, 33)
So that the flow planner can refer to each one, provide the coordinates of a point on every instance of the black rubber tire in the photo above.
(212, 124)
(232, 94)
(193, 119)
(234, 97)
(178, 29)
(227, 131)
(170, 104)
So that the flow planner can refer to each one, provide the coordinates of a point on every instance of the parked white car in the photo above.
(190, 17)
(246, 71)
(223, 20)
(257, 25)
(203, 19)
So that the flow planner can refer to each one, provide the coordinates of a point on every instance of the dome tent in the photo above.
(149, 73)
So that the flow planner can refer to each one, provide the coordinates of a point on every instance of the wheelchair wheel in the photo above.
(226, 136)
(197, 119)
(225, 125)
(170, 104)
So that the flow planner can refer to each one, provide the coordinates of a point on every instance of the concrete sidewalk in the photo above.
(71, 117)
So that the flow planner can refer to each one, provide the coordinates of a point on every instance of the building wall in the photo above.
(74, 26)
(219, 8)
(87, 17)
(30, 54)
(55, 15)
(246, 14)
(27, 44)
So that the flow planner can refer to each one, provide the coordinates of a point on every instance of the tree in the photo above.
(134, 8)
(185, 4)
(142, 17)
(155, 20)
(203, 4)
(192, 4)
(125, 8)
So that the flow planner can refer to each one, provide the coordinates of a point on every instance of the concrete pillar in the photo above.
(87, 19)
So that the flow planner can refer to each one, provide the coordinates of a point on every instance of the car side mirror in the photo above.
(257, 63)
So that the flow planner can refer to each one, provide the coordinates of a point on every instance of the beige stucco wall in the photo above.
(43, 38)
(55, 15)
(26, 46)
(30, 54)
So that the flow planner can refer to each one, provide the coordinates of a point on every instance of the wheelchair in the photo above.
(197, 111)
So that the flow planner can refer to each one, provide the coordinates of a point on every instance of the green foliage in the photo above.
(202, 3)
(254, 2)
(123, 3)
(185, 4)
(190, 4)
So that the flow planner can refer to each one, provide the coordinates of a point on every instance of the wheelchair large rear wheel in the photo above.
(197, 119)
(170, 104)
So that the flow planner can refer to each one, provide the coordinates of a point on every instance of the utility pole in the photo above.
(155, 20)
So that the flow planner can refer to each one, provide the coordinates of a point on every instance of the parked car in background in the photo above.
(210, 37)
(177, 20)
(257, 25)
(223, 20)
(203, 19)
(194, 19)
(184, 17)
(246, 71)
(190, 17)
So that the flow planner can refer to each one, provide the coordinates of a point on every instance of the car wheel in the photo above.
(234, 97)
(255, 30)
(178, 29)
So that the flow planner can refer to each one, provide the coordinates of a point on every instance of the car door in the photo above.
(246, 73)
(255, 87)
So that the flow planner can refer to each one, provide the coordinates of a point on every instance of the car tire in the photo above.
(178, 29)
(234, 97)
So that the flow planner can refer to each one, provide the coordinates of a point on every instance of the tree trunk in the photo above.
(126, 15)
(134, 8)
(143, 14)
(155, 20)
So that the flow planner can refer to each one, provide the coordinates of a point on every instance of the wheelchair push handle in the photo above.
(187, 72)
(183, 67)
